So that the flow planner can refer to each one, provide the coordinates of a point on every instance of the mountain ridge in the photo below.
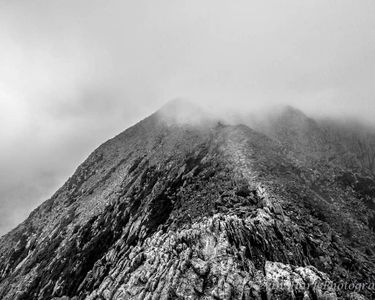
(218, 211)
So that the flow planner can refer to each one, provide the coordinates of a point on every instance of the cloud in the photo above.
(75, 73)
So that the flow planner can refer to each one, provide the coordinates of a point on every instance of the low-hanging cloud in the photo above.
(75, 73)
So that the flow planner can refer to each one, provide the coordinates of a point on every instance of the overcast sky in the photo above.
(75, 73)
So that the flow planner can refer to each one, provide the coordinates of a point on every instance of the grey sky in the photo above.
(74, 73)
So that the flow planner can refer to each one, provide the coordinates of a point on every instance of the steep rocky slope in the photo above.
(201, 210)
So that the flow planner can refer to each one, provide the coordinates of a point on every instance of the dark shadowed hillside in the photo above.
(180, 206)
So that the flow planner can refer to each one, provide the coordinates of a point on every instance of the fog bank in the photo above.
(75, 73)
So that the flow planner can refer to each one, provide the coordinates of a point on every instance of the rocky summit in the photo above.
(180, 206)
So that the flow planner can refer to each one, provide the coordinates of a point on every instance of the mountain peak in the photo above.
(294, 113)
(178, 104)
(184, 112)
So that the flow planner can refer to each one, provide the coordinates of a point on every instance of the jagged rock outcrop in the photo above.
(200, 261)
(181, 208)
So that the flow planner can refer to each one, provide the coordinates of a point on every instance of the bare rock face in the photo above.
(199, 261)
(202, 210)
